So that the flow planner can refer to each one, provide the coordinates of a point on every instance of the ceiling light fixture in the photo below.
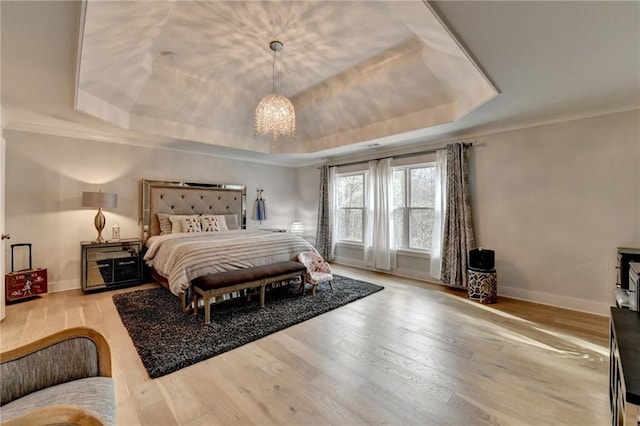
(275, 116)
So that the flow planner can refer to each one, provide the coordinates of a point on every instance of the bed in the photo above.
(176, 258)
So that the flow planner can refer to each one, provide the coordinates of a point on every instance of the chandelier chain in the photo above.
(274, 71)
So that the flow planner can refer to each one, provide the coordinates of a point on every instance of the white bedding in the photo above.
(182, 257)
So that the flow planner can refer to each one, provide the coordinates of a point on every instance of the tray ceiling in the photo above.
(355, 71)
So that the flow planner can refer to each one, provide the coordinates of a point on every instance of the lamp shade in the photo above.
(276, 118)
(297, 228)
(107, 200)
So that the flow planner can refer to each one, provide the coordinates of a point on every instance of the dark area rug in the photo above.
(167, 340)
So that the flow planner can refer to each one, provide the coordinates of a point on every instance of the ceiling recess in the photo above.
(398, 69)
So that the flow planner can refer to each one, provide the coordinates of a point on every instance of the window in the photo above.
(350, 190)
(414, 191)
(413, 196)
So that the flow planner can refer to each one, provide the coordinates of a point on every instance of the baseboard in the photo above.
(413, 274)
(66, 285)
(564, 302)
(400, 272)
(351, 262)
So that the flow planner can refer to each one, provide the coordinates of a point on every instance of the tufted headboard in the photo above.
(189, 198)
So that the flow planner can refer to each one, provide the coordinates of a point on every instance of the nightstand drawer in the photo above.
(126, 269)
(99, 273)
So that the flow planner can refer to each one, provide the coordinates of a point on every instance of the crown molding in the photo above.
(418, 142)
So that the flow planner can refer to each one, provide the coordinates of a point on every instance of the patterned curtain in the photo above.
(458, 236)
(323, 233)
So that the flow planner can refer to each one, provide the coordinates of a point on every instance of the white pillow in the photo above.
(176, 223)
(213, 223)
(185, 223)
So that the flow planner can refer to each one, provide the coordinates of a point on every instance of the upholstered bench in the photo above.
(212, 285)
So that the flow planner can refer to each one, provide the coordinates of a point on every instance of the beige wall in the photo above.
(307, 192)
(46, 175)
(554, 202)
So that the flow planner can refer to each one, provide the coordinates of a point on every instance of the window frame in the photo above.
(365, 175)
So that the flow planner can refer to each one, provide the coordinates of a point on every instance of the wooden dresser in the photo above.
(624, 367)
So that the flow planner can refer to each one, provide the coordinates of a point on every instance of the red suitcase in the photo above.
(25, 283)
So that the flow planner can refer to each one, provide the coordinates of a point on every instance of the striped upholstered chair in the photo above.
(64, 378)
(318, 271)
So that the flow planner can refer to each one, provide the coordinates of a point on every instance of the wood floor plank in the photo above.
(415, 353)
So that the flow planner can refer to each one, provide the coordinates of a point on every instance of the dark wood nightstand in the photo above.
(111, 264)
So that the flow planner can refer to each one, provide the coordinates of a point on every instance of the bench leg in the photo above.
(207, 309)
(183, 303)
(262, 291)
(194, 300)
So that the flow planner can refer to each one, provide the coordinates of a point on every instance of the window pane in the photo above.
(420, 228)
(350, 224)
(423, 186)
(398, 227)
(398, 188)
(350, 191)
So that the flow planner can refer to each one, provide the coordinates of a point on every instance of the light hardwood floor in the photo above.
(415, 353)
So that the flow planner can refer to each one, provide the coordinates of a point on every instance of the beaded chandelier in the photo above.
(275, 116)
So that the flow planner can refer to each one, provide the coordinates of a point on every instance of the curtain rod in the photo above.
(408, 154)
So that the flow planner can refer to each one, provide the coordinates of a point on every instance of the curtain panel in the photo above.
(439, 208)
(324, 235)
(458, 236)
(379, 252)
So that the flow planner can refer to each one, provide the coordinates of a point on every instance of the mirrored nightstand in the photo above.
(111, 264)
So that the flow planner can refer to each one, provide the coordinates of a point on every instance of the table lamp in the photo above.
(99, 199)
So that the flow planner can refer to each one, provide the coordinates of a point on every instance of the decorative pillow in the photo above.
(191, 224)
(213, 223)
(231, 221)
(165, 223)
(184, 223)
